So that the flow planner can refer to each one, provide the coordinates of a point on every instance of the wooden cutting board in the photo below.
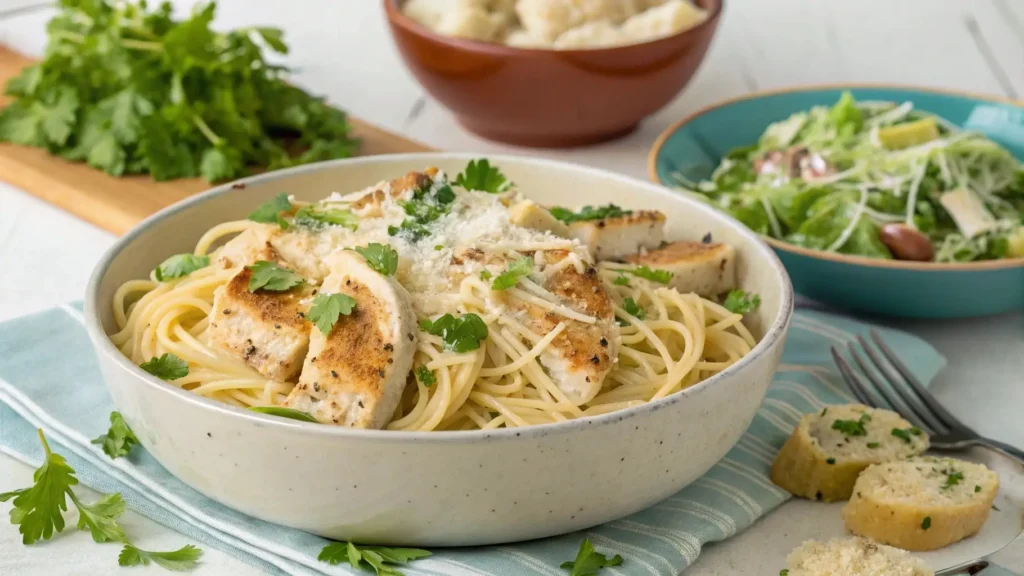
(117, 204)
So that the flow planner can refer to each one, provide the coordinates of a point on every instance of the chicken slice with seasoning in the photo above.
(706, 269)
(267, 330)
(620, 236)
(355, 375)
(251, 246)
(582, 355)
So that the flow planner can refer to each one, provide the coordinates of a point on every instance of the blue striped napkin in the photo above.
(49, 379)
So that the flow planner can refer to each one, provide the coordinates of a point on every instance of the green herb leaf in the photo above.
(926, 523)
(873, 445)
(100, 517)
(180, 265)
(589, 213)
(784, 572)
(740, 302)
(852, 427)
(830, 461)
(381, 257)
(479, 175)
(316, 217)
(327, 308)
(38, 510)
(425, 376)
(181, 560)
(119, 439)
(589, 561)
(460, 335)
(953, 477)
(272, 210)
(284, 413)
(513, 272)
(270, 276)
(634, 309)
(904, 434)
(485, 275)
(621, 280)
(377, 557)
(166, 367)
(659, 276)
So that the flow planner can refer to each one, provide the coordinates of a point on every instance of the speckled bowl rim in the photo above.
(774, 334)
(395, 16)
(1006, 263)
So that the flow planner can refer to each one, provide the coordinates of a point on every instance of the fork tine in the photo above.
(852, 380)
(917, 412)
(892, 401)
(940, 413)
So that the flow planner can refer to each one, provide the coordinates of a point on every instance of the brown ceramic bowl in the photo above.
(551, 98)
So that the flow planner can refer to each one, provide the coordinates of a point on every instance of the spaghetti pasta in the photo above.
(680, 340)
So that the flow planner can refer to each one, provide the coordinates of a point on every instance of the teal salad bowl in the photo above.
(856, 270)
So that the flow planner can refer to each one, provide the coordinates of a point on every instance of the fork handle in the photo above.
(1004, 448)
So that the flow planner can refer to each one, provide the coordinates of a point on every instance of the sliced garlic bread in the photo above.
(852, 557)
(922, 503)
(825, 453)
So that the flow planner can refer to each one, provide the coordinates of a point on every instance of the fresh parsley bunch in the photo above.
(130, 90)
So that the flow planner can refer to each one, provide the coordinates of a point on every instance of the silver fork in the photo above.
(890, 384)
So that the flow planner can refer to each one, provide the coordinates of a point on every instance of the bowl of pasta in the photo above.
(436, 349)
(552, 73)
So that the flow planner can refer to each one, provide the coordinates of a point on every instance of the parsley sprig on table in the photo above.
(588, 561)
(119, 439)
(128, 89)
(39, 512)
(379, 558)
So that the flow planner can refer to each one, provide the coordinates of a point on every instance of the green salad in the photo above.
(875, 179)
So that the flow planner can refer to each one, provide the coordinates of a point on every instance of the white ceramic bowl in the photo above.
(440, 488)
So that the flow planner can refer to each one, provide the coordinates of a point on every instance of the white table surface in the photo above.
(343, 50)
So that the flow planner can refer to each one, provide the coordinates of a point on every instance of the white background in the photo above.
(342, 49)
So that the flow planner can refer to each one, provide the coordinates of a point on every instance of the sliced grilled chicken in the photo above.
(580, 357)
(621, 236)
(707, 269)
(370, 203)
(268, 330)
(355, 375)
(529, 214)
(250, 246)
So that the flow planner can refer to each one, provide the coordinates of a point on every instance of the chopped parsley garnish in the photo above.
(873, 445)
(380, 558)
(462, 334)
(852, 427)
(784, 572)
(180, 560)
(270, 276)
(953, 477)
(314, 217)
(38, 510)
(515, 270)
(904, 434)
(284, 413)
(588, 561)
(654, 275)
(425, 376)
(621, 280)
(926, 523)
(327, 308)
(180, 265)
(830, 461)
(588, 213)
(479, 175)
(166, 367)
(273, 211)
(634, 309)
(428, 203)
(977, 488)
(438, 247)
(485, 275)
(119, 439)
(381, 257)
(740, 302)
